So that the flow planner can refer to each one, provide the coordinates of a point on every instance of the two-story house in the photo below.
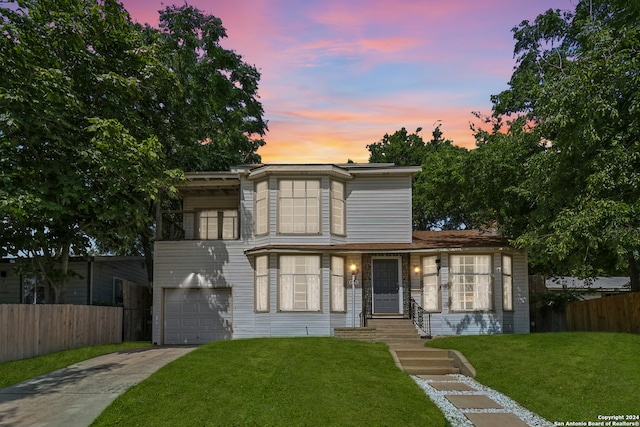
(296, 250)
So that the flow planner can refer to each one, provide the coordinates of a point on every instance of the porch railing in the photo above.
(421, 318)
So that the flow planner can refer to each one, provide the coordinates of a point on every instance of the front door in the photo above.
(386, 286)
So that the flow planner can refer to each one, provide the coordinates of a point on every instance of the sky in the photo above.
(337, 75)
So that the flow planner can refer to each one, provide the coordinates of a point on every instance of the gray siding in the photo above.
(104, 270)
(447, 322)
(379, 209)
(10, 287)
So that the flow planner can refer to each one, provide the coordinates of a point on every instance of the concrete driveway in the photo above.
(76, 395)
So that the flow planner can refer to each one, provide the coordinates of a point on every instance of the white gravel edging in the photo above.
(456, 416)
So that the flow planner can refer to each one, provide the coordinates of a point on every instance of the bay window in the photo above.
(470, 277)
(299, 206)
(337, 208)
(299, 283)
(431, 290)
(262, 208)
(262, 284)
(337, 284)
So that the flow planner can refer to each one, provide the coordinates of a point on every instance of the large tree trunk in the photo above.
(634, 273)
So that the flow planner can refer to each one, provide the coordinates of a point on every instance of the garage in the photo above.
(197, 315)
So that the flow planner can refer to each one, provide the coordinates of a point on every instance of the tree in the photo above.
(400, 148)
(71, 171)
(98, 119)
(205, 113)
(578, 82)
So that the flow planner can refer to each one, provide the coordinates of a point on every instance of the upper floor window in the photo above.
(470, 277)
(338, 208)
(507, 283)
(299, 206)
(218, 224)
(262, 208)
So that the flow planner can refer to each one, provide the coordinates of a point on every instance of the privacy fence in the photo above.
(619, 313)
(28, 330)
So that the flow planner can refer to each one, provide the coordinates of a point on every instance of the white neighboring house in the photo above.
(597, 287)
(268, 250)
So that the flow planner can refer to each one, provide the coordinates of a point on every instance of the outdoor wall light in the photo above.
(416, 269)
(354, 268)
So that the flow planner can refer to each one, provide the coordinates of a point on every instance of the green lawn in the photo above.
(20, 370)
(277, 382)
(561, 376)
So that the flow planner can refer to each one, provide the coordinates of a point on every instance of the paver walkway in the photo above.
(76, 395)
(465, 402)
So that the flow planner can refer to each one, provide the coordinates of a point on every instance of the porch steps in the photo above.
(408, 348)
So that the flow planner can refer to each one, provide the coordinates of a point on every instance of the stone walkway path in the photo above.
(465, 402)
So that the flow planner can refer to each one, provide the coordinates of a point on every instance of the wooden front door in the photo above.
(386, 286)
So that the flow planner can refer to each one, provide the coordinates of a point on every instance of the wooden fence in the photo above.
(618, 313)
(28, 330)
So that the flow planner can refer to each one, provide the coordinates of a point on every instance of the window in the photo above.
(507, 283)
(262, 284)
(299, 283)
(337, 208)
(262, 208)
(337, 284)
(218, 224)
(30, 286)
(470, 277)
(118, 294)
(431, 290)
(299, 206)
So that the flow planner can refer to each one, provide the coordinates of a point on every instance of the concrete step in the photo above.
(431, 370)
(408, 363)
(416, 353)
(404, 340)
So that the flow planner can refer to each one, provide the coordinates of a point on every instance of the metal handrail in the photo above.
(421, 318)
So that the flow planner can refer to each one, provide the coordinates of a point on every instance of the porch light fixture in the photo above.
(354, 268)
(416, 269)
(353, 281)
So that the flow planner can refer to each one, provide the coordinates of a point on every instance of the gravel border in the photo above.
(457, 417)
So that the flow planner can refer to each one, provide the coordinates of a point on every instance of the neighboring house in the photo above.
(596, 287)
(268, 250)
(98, 280)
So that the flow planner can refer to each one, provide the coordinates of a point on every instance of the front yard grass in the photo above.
(277, 382)
(17, 371)
(561, 376)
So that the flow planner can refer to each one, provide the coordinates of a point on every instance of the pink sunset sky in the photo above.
(336, 75)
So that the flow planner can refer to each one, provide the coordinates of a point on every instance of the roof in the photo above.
(422, 241)
(458, 239)
(616, 283)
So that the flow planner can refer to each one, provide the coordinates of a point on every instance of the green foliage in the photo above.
(578, 83)
(98, 119)
(277, 382)
(210, 115)
(560, 376)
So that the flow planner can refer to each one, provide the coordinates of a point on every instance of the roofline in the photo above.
(340, 249)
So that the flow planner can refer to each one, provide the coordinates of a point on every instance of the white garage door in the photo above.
(197, 316)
